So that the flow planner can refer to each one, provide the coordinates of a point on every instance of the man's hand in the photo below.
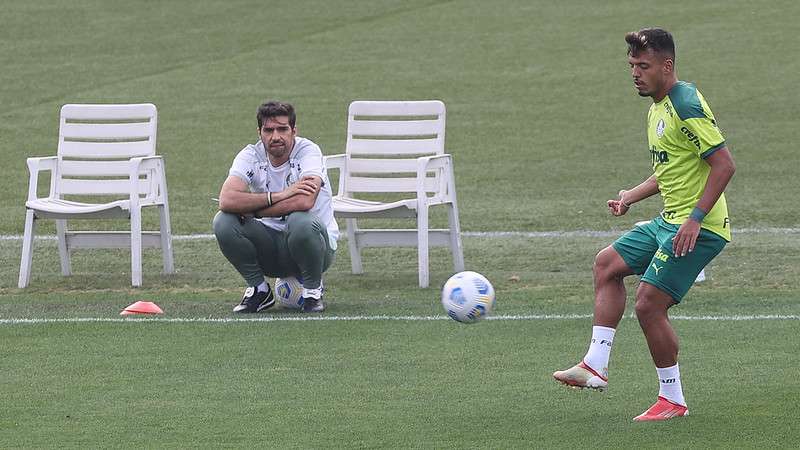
(617, 207)
(685, 238)
(300, 196)
(306, 186)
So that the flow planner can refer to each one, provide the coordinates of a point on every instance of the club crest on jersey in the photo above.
(293, 173)
(660, 128)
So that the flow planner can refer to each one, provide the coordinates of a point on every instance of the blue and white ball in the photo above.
(468, 297)
(288, 292)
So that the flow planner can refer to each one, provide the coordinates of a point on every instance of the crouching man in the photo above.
(275, 214)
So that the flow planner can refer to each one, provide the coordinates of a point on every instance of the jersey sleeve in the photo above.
(704, 134)
(311, 161)
(697, 121)
(242, 166)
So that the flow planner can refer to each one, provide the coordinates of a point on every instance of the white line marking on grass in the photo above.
(605, 233)
(35, 321)
(484, 234)
(739, 318)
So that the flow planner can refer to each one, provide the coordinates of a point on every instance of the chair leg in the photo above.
(166, 240)
(27, 250)
(63, 249)
(422, 246)
(352, 244)
(455, 239)
(136, 247)
(455, 227)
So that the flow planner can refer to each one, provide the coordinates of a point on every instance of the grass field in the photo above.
(544, 126)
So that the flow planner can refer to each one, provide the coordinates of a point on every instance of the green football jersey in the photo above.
(681, 133)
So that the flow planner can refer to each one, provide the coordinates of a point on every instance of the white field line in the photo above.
(483, 234)
(226, 320)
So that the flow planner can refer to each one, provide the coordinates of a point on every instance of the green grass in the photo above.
(543, 121)
(387, 383)
(754, 275)
(544, 127)
(379, 384)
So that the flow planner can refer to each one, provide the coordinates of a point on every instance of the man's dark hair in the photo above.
(275, 109)
(658, 40)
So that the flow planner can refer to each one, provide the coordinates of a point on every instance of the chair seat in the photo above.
(53, 207)
(353, 207)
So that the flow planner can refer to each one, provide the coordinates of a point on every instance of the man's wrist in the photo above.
(697, 215)
(622, 200)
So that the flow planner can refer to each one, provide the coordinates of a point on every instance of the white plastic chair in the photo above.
(103, 150)
(397, 147)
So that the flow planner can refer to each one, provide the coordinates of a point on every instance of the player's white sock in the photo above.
(262, 287)
(312, 293)
(600, 349)
(669, 384)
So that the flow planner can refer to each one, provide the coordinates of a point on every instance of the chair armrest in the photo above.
(434, 162)
(143, 164)
(335, 161)
(36, 165)
(338, 162)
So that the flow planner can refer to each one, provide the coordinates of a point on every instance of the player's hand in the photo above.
(616, 207)
(306, 186)
(685, 238)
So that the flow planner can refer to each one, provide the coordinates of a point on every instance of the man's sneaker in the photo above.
(313, 305)
(255, 301)
(581, 376)
(663, 409)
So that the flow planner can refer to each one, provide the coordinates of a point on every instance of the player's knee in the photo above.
(224, 224)
(605, 264)
(643, 308)
(648, 308)
(302, 224)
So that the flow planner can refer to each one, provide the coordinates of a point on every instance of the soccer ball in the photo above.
(468, 297)
(288, 291)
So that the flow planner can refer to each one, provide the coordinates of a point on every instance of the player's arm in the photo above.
(643, 190)
(722, 169)
(235, 197)
(300, 196)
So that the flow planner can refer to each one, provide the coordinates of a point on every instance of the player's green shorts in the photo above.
(647, 249)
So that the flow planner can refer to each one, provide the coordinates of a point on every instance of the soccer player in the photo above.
(691, 168)
(275, 214)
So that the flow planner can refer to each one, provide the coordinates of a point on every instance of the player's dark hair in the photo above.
(275, 109)
(658, 40)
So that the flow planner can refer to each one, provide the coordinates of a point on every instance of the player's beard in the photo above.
(643, 92)
(280, 152)
(651, 89)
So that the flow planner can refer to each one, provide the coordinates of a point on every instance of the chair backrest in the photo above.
(95, 143)
(383, 140)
